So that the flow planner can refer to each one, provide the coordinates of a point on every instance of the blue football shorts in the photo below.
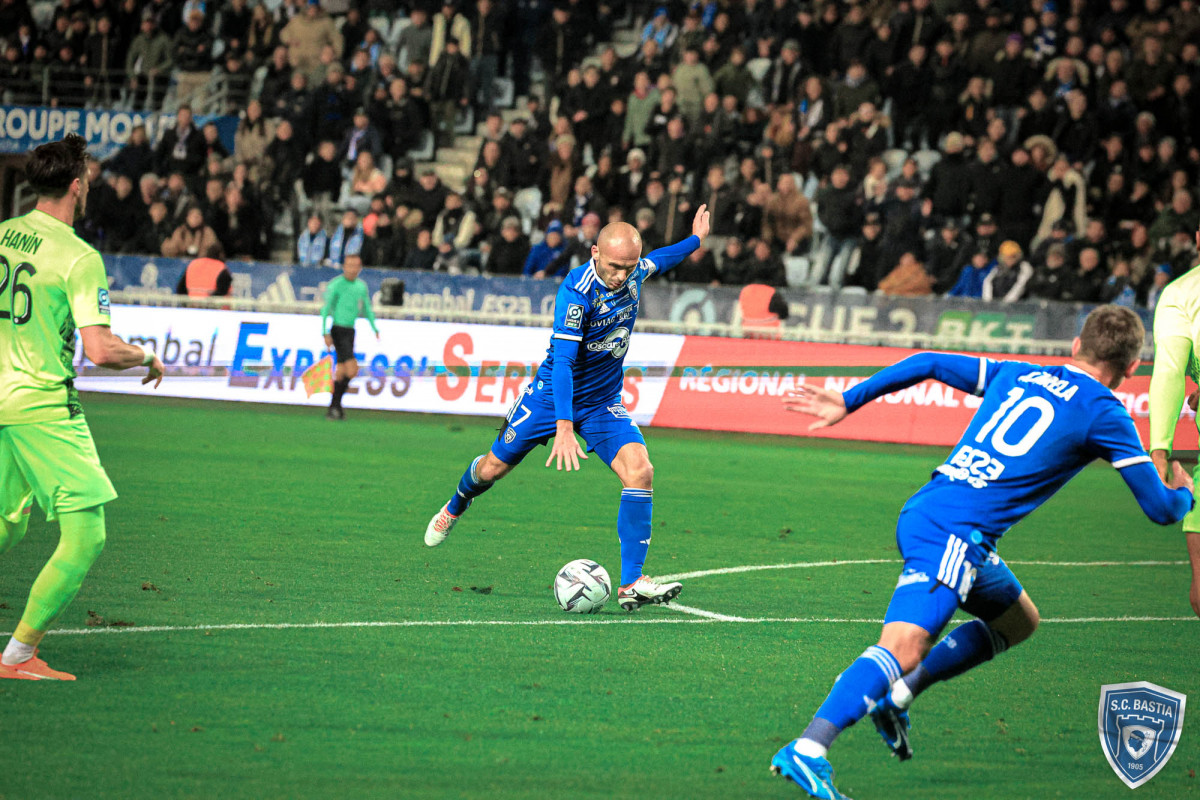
(531, 422)
(946, 570)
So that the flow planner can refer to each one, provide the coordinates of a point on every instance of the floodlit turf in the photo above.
(262, 514)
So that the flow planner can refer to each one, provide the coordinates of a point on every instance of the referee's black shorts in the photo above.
(343, 342)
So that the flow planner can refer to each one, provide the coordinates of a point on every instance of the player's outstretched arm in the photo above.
(664, 258)
(966, 373)
(828, 406)
(1164, 504)
(106, 349)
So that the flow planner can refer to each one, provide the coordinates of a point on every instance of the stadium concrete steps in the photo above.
(452, 174)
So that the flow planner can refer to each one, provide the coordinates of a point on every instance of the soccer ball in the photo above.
(582, 587)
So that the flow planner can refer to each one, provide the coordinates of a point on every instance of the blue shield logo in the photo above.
(1140, 724)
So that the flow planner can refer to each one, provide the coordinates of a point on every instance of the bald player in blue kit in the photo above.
(578, 389)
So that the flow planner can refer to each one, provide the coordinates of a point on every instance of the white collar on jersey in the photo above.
(1082, 371)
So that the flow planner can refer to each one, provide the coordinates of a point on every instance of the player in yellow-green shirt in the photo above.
(51, 284)
(1176, 342)
(346, 298)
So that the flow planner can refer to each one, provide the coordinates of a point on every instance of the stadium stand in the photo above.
(1064, 128)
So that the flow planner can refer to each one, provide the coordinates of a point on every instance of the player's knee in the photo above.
(491, 469)
(352, 368)
(1019, 622)
(909, 644)
(90, 545)
(640, 475)
(909, 653)
(1030, 622)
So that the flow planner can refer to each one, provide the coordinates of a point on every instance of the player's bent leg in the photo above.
(1005, 615)
(480, 476)
(909, 643)
(1193, 545)
(855, 693)
(1018, 622)
(80, 544)
(12, 532)
(635, 523)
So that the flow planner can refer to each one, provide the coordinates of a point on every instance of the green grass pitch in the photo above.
(271, 515)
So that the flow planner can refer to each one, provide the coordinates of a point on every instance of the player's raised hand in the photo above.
(155, 374)
(826, 405)
(700, 224)
(1180, 478)
(565, 450)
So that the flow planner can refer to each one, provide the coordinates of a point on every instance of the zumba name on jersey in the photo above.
(25, 242)
(1053, 384)
(1137, 704)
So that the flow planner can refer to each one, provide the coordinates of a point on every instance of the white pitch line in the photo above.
(701, 616)
(700, 612)
(811, 564)
(404, 623)
(760, 567)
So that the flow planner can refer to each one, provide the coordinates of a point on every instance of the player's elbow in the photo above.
(1165, 513)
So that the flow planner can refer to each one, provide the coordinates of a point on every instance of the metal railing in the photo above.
(116, 90)
(795, 333)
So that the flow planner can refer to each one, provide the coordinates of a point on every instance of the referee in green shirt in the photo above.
(346, 299)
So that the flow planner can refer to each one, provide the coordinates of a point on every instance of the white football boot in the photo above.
(644, 591)
(439, 527)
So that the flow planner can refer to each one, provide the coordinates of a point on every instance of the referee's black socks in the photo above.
(339, 389)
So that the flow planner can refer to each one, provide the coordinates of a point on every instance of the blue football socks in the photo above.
(854, 694)
(633, 528)
(967, 646)
(469, 487)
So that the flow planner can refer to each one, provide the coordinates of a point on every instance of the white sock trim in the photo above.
(811, 749)
(17, 653)
(902, 696)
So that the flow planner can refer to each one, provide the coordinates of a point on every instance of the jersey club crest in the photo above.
(1140, 724)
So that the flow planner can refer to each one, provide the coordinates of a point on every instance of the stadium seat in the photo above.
(758, 68)
(796, 268)
(894, 159)
(43, 13)
(503, 93)
(856, 291)
(925, 161)
(464, 124)
(426, 150)
(528, 203)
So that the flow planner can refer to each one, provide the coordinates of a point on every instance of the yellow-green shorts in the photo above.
(54, 463)
(1191, 521)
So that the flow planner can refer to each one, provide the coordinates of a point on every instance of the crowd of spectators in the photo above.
(1001, 149)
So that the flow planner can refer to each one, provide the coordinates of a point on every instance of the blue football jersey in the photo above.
(1036, 428)
(585, 311)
